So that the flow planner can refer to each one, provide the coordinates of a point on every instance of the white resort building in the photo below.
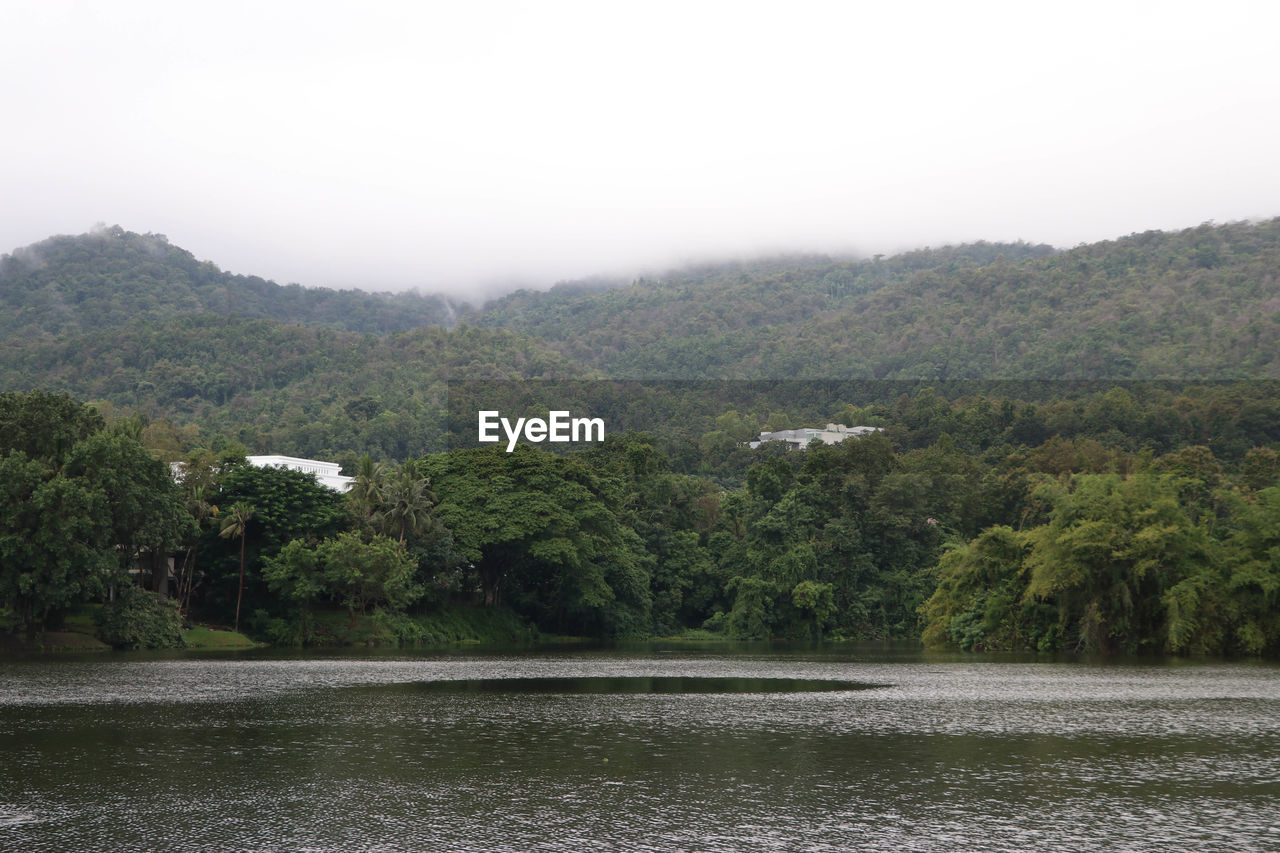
(326, 473)
(799, 439)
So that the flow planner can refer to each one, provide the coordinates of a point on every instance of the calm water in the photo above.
(683, 750)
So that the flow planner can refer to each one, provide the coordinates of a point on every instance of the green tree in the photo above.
(752, 600)
(360, 573)
(368, 493)
(287, 505)
(357, 572)
(146, 507)
(236, 523)
(75, 515)
(201, 511)
(817, 601)
(406, 504)
(980, 601)
(1252, 556)
(55, 540)
(543, 534)
(137, 619)
(295, 572)
(43, 425)
(1111, 550)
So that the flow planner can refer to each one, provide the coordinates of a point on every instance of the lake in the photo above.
(647, 748)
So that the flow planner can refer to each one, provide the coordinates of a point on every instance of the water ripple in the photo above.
(399, 754)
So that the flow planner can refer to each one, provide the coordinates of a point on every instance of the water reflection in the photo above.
(646, 684)
(604, 751)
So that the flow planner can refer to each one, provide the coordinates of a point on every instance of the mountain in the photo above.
(134, 323)
(111, 277)
(1203, 303)
(271, 385)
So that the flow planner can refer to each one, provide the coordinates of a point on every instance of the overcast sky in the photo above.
(462, 146)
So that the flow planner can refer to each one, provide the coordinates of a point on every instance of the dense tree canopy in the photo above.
(543, 534)
(79, 504)
(997, 506)
(111, 277)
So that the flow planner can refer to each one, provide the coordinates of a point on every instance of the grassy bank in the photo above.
(81, 632)
(200, 637)
(441, 628)
(66, 641)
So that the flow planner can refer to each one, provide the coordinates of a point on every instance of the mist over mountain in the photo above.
(136, 323)
(1196, 304)
(111, 277)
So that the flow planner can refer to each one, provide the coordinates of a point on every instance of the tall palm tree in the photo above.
(368, 491)
(236, 523)
(407, 503)
(201, 510)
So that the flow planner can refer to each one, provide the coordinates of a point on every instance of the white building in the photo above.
(799, 439)
(326, 473)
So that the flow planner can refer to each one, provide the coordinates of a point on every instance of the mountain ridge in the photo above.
(1199, 303)
(113, 277)
(1202, 304)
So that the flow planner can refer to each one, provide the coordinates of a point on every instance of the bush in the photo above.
(405, 631)
(8, 621)
(139, 620)
(276, 631)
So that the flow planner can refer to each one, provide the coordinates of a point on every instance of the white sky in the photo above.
(460, 146)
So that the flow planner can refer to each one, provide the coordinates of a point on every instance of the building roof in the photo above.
(326, 473)
(804, 436)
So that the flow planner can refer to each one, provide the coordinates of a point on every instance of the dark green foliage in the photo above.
(1143, 307)
(1077, 543)
(80, 511)
(1250, 618)
(281, 386)
(43, 425)
(112, 277)
(457, 624)
(287, 505)
(146, 506)
(137, 619)
(1119, 564)
(835, 540)
(355, 572)
(979, 601)
(1111, 551)
(671, 513)
(544, 536)
(1028, 513)
(55, 542)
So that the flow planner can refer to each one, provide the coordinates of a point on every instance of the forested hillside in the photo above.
(960, 519)
(1203, 303)
(277, 387)
(112, 277)
(996, 507)
(135, 322)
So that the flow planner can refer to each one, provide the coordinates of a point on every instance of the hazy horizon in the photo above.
(474, 150)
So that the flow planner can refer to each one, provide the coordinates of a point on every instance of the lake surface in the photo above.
(687, 749)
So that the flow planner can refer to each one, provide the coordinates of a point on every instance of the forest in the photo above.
(1077, 450)
(970, 523)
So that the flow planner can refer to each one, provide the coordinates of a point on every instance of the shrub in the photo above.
(139, 620)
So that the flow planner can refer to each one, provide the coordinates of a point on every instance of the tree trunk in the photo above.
(187, 581)
(160, 574)
(240, 592)
(491, 583)
(28, 610)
